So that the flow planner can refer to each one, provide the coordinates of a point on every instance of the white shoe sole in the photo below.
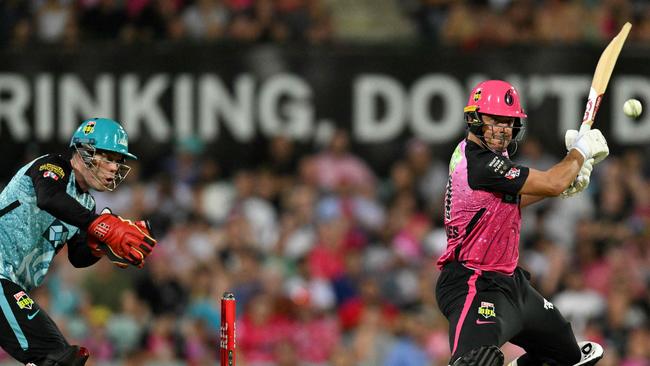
(591, 352)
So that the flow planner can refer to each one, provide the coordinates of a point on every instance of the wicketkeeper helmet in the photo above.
(102, 134)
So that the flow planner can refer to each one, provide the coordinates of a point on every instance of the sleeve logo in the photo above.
(499, 165)
(513, 173)
(51, 171)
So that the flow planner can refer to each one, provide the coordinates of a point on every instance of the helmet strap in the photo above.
(474, 123)
(514, 150)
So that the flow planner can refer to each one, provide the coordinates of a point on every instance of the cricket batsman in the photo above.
(486, 297)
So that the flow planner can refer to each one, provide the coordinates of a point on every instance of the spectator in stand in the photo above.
(409, 350)
(53, 19)
(579, 303)
(260, 330)
(336, 165)
(326, 258)
(314, 331)
(206, 19)
(370, 297)
(638, 352)
(401, 180)
(282, 161)
(371, 338)
(160, 289)
(430, 176)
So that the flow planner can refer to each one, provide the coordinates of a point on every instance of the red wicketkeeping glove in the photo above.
(123, 241)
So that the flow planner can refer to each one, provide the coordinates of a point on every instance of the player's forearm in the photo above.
(62, 206)
(564, 172)
(554, 181)
(79, 254)
(527, 200)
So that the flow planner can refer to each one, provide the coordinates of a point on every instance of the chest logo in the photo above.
(56, 234)
(52, 171)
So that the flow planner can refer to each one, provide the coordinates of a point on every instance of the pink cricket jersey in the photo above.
(482, 214)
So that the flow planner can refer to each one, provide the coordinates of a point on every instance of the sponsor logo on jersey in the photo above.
(481, 322)
(56, 233)
(499, 165)
(548, 305)
(487, 310)
(89, 127)
(513, 173)
(48, 174)
(57, 171)
(33, 315)
(23, 300)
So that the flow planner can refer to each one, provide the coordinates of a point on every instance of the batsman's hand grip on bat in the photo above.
(582, 180)
(124, 242)
(590, 143)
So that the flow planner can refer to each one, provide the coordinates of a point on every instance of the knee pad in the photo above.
(68, 356)
(481, 356)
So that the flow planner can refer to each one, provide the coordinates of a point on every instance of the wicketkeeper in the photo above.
(47, 205)
(486, 297)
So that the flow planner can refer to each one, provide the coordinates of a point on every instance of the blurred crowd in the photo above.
(465, 23)
(332, 264)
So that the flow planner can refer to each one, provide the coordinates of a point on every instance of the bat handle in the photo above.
(584, 127)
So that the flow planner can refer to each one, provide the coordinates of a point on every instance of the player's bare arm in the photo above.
(552, 182)
(590, 144)
(529, 199)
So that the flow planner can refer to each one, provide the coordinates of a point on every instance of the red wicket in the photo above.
(227, 345)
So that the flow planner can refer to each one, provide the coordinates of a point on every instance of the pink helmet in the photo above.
(495, 97)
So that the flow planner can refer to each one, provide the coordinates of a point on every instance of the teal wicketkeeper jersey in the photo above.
(29, 235)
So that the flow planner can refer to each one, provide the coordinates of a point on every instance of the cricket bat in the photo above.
(602, 74)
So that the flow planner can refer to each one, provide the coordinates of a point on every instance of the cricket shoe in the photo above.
(590, 353)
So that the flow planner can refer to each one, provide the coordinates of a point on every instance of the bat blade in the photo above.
(603, 72)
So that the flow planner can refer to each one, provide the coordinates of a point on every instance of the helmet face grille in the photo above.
(92, 161)
(475, 125)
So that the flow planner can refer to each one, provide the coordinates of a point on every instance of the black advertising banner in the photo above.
(233, 97)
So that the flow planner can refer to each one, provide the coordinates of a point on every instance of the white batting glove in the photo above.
(591, 144)
(582, 180)
(570, 137)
